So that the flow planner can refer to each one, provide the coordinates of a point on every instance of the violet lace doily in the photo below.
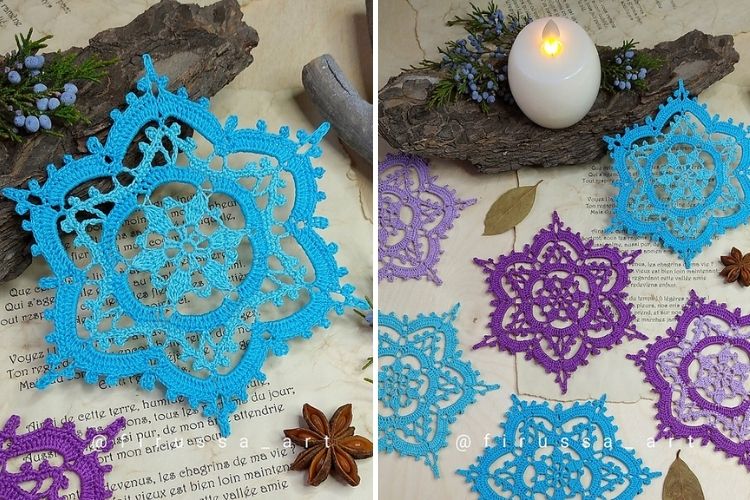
(414, 214)
(74, 456)
(701, 372)
(560, 300)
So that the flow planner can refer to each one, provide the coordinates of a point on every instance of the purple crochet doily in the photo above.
(560, 300)
(48, 481)
(414, 214)
(701, 372)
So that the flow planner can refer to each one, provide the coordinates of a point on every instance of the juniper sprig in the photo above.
(476, 66)
(36, 92)
(627, 69)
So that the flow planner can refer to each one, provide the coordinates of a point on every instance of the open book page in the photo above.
(582, 195)
(167, 449)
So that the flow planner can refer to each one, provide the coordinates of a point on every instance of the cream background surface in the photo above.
(325, 370)
(411, 30)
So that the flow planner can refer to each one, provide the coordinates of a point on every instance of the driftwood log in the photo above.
(338, 101)
(200, 48)
(504, 139)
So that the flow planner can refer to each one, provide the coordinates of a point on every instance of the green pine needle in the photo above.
(475, 23)
(27, 47)
(57, 71)
(611, 70)
(368, 364)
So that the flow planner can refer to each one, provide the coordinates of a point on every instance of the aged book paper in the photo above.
(412, 30)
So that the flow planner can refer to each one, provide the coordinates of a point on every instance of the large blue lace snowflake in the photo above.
(190, 250)
(558, 453)
(682, 176)
(422, 385)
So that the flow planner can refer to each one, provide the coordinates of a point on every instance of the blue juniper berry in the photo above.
(477, 64)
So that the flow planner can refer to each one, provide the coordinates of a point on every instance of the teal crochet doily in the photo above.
(682, 176)
(190, 251)
(424, 383)
(560, 452)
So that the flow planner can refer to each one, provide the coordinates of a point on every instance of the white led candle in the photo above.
(554, 72)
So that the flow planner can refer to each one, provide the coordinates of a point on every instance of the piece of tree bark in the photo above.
(504, 139)
(200, 48)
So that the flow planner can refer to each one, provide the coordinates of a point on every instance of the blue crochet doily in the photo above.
(682, 176)
(188, 251)
(422, 385)
(558, 453)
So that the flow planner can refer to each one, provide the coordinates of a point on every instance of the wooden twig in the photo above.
(339, 103)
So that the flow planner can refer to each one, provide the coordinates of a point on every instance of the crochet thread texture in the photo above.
(423, 384)
(682, 177)
(414, 214)
(47, 481)
(560, 300)
(186, 251)
(701, 372)
(558, 453)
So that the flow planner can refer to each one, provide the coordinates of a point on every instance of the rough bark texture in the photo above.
(504, 139)
(200, 48)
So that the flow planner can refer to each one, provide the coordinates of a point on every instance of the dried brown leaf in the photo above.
(509, 210)
(681, 483)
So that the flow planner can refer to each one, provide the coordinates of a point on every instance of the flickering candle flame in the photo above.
(551, 44)
(554, 72)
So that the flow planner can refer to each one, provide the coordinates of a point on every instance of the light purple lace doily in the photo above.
(701, 372)
(414, 214)
(72, 454)
(560, 300)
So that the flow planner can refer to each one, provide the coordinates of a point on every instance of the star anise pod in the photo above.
(736, 267)
(329, 445)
